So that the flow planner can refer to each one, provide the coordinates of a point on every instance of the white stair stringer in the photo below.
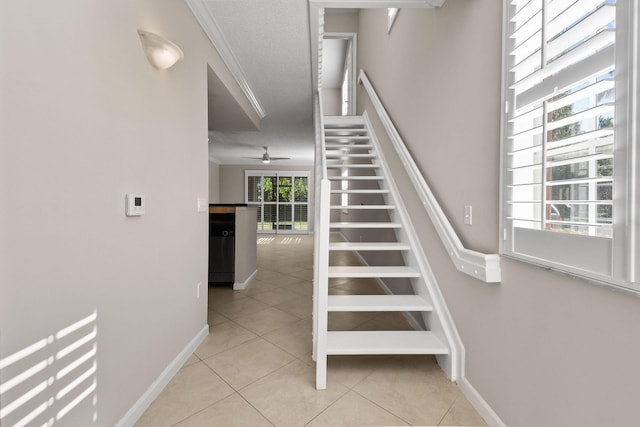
(352, 146)
(439, 320)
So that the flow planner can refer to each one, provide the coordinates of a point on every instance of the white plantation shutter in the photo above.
(560, 133)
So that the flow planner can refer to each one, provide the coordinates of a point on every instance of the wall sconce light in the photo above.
(160, 52)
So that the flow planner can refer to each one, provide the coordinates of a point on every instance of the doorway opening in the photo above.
(339, 73)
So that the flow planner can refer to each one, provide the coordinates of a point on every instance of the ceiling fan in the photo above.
(266, 158)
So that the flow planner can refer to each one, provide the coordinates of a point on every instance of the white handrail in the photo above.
(321, 252)
(485, 267)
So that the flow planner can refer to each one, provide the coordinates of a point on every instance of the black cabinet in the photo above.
(222, 230)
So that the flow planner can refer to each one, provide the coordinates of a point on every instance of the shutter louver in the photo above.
(560, 128)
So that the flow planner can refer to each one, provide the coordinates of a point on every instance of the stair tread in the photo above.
(372, 271)
(346, 129)
(365, 225)
(335, 121)
(348, 137)
(355, 166)
(347, 146)
(384, 342)
(356, 178)
(368, 246)
(339, 155)
(363, 207)
(362, 191)
(378, 303)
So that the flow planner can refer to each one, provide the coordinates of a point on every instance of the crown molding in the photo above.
(212, 30)
(364, 4)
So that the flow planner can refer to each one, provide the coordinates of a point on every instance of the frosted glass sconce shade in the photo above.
(160, 52)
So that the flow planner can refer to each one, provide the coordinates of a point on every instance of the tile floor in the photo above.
(255, 367)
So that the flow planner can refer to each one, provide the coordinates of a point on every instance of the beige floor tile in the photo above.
(275, 296)
(346, 321)
(303, 288)
(214, 318)
(351, 370)
(218, 295)
(264, 274)
(232, 411)
(265, 320)
(256, 286)
(288, 397)
(343, 258)
(294, 338)
(422, 396)
(362, 287)
(282, 280)
(301, 307)
(248, 362)
(305, 273)
(462, 414)
(296, 267)
(353, 410)
(192, 389)
(391, 321)
(223, 337)
(191, 360)
(239, 307)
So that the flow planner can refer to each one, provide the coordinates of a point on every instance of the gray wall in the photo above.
(340, 21)
(246, 249)
(85, 120)
(332, 102)
(214, 182)
(542, 348)
(232, 183)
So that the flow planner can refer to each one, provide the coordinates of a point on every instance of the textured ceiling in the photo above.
(270, 40)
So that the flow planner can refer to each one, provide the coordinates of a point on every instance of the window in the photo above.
(281, 198)
(569, 157)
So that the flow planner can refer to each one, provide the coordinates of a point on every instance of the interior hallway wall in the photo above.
(332, 102)
(542, 348)
(214, 182)
(341, 21)
(85, 120)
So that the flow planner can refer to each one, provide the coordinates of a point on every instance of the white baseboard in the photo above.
(481, 406)
(141, 405)
(243, 285)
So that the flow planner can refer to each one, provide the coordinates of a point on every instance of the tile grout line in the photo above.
(449, 409)
(213, 403)
(376, 404)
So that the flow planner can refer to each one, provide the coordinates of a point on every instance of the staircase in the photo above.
(355, 167)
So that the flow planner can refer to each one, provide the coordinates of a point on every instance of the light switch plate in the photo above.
(203, 204)
(468, 214)
(134, 205)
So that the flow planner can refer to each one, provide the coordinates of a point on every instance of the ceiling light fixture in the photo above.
(160, 52)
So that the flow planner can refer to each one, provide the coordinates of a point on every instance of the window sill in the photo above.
(608, 282)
